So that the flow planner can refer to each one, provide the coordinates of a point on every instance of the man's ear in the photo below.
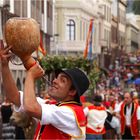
(72, 92)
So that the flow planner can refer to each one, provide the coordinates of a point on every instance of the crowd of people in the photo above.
(121, 99)
(112, 113)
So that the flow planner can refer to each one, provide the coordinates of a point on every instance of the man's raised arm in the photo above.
(8, 82)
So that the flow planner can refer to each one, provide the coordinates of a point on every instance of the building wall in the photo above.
(122, 23)
(80, 11)
(118, 28)
(41, 11)
(132, 34)
(106, 40)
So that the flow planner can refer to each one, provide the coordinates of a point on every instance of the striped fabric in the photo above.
(8, 131)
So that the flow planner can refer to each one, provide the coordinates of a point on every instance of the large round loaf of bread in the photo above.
(23, 34)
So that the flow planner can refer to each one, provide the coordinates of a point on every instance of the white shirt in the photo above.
(117, 107)
(128, 113)
(61, 117)
(138, 113)
(129, 75)
(95, 118)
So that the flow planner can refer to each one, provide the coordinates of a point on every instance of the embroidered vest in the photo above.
(96, 119)
(134, 120)
(51, 132)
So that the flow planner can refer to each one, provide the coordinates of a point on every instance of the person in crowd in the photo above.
(86, 101)
(129, 117)
(113, 102)
(116, 118)
(66, 120)
(135, 96)
(137, 84)
(0, 119)
(129, 77)
(96, 115)
(8, 130)
(119, 102)
(110, 131)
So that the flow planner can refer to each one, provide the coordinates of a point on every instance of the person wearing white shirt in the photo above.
(129, 117)
(63, 121)
(96, 115)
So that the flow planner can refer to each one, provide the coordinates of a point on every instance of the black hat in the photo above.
(97, 98)
(78, 78)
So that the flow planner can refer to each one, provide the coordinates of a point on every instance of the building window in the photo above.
(24, 8)
(49, 10)
(42, 6)
(83, 30)
(70, 30)
(18, 7)
(33, 9)
(80, 30)
(122, 16)
(114, 34)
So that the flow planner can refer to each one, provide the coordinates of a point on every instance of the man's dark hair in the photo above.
(97, 100)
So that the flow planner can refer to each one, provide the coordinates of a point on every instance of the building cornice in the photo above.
(133, 25)
(77, 5)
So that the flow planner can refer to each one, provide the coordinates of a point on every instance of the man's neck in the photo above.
(129, 105)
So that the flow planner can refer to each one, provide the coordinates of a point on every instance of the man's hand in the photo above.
(36, 71)
(4, 53)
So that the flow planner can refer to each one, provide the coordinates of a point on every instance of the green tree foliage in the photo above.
(136, 7)
(52, 63)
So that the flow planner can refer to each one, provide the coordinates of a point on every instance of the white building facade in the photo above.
(71, 24)
(132, 34)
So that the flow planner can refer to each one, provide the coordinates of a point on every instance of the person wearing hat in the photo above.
(63, 121)
(129, 113)
(96, 115)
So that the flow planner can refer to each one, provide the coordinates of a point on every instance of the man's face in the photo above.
(111, 98)
(60, 87)
(137, 87)
(127, 98)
